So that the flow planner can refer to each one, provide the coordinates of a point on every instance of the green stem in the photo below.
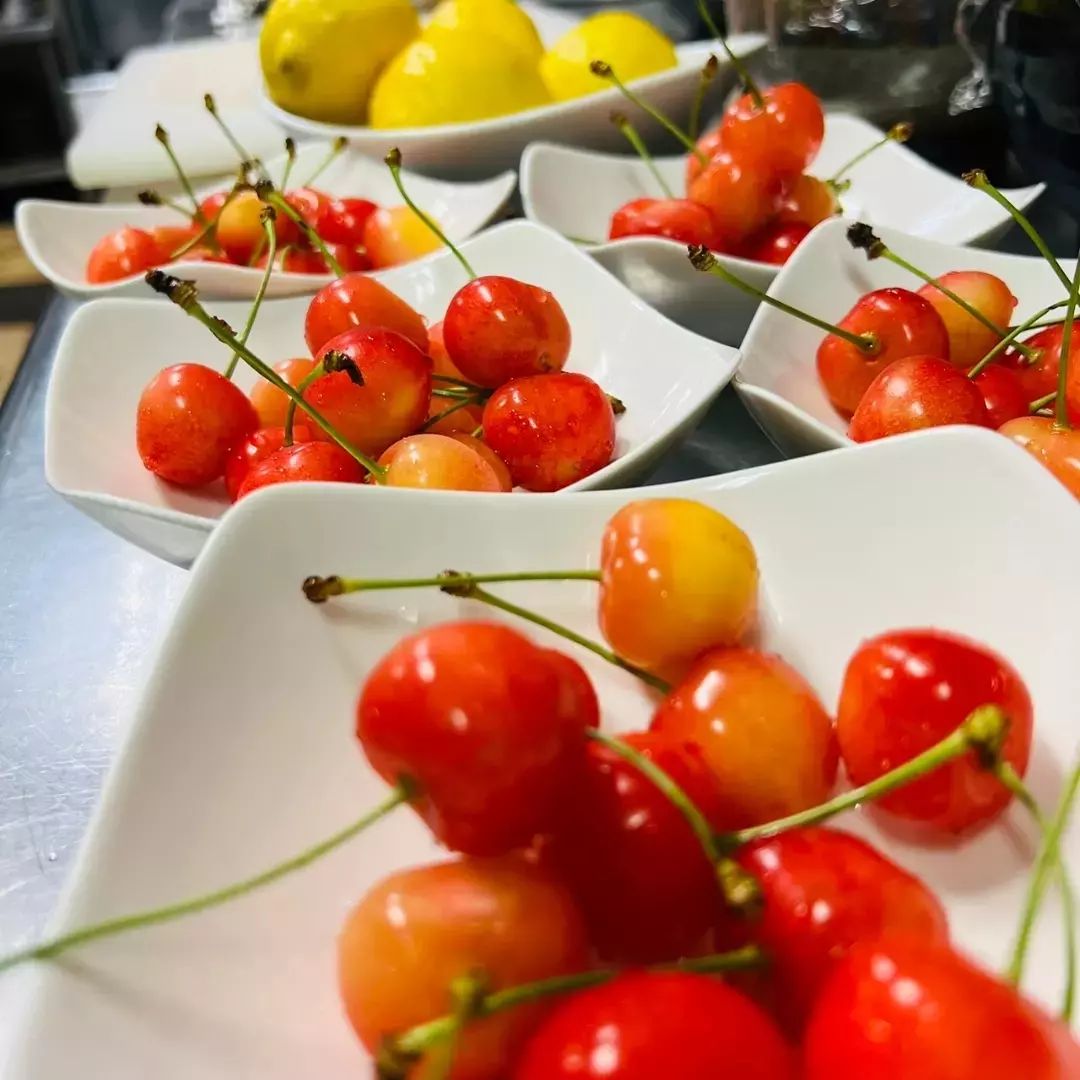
(740, 68)
(53, 947)
(270, 239)
(464, 403)
(461, 384)
(899, 133)
(245, 157)
(155, 198)
(336, 147)
(317, 372)
(162, 137)
(708, 73)
(1010, 337)
(207, 231)
(277, 200)
(631, 135)
(1041, 402)
(290, 161)
(319, 589)
(478, 431)
(1061, 410)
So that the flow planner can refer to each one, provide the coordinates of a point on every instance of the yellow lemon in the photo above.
(502, 19)
(320, 58)
(453, 78)
(632, 46)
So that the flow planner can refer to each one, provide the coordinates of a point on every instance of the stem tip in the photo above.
(700, 257)
(393, 158)
(862, 236)
(319, 589)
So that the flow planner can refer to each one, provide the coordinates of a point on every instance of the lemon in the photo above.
(632, 46)
(320, 58)
(453, 78)
(502, 19)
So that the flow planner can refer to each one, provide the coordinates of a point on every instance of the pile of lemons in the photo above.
(369, 61)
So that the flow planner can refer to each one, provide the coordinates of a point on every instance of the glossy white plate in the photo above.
(577, 191)
(59, 236)
(111, 349)
(241, 752)
(777, 376)
(481, 147)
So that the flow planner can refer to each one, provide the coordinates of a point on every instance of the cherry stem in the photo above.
(1061, 410)
(982, 732)
(290, 161)
(336, 147)
(630, 133)
(1010, 337)
(604, 71)
(464, 403)
(207, 231)
(155, 198)
(466, 993)
(898, 133)
(461, 384)
(245, 158)
(478, 431)
(704, 260)
(317, 372)
(270, 240)
(977, 179)
(393, 163)
(1041, 402)
(186, 296)
(320, 589)
(55, 946)
(705, 79)
(266, 192)
(740, 68)
(162, 137)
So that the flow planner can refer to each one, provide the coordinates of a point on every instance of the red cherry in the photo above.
(344, 219)
(904, 324)
(784, 134)
(437, 462)
(357, 300)
(189, 418)
(776, 242)
(484, 722)
(906, 690)
(499, 328)
(917, 392)
(907, 1008)
(122, 254)
(313, 206)
(210, 206)
(657, 1026)
(807, 201)
(646, 887)
(295, 260)
(969, 339)
(170, 238)
(272, 404)
(740, 195)
(440, 358)
(676, 219)
(1055, 447)
(309, 461)
(1002, 393)
(1041, 377)
(551, 430)
(258, 446)
(710, 144)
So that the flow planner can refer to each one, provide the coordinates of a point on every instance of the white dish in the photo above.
(481, 147)
(777, 376)
(241, 752)
(575, 192)
(111, 349)
(59, 236)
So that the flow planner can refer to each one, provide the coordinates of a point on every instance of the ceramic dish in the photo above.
(241, 752)
(482, 147)
(110, 350)
(59, 236)
(577, 191)
(777, 373)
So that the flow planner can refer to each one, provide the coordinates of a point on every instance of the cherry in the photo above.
(437, 461)
(917, 392)
(258, 446)
(646, 887)
(781, 128)
(295, 259)
(484, 723)
(652, 1025)
(906, 1008)
(240, 231)
(1003, 394)
(357, 300)
(270, 403)
(315, 207)
(775, 243)
(122, 254)
(1055, 447)
(969, 339)
(904, 691)
(465, 419)
(170, 238)
(502, 473)
(498, 328)
(306, 461)
(740, 195)
(420, 930)
(396, 234)
(1041, 377)
(902, 322)
(391, 402)
(677, 577)
(211, 205)
(189, 418)
(677, 219)
(440, 359)
(747, 710)
(551, 430)
(343, 220)
(708, 146)
(807, 201)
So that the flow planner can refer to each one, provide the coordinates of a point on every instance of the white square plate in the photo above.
(241, 752)
(110, 350)
(777, 376)
(577, 191)
(59, 236)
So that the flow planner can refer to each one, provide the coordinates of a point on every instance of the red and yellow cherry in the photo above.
(775, 243)
(441, 364)
(466, 419)
(710, 144)
(189, 418)
(1055, 447)
(807, 201)
(551, 430)
(906, 690)
(676, 219)
(257, 447)
(489, 455)
(240, 231)
(1002, 393)
(272, 404)
(393, 399)
(969, 339)
(783, 134)
(343, 220)
(487, 726)
(904, 1008)
(647, 889)
(747, 710)
(740, 196)
(654, 1026)
(498, 328)
(1040, 377)
(903, 324)
(677, 578)
(420, 930)
(122, 254)
(357, 300)
(437, 462)
(308, 461)
(394, 235)
(914, 393)
(170, 238)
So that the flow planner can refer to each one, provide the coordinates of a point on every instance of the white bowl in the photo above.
(480, 147)
(777, 376)
(59, 236)
(111, 349)
(241, 752)
(576, 192)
